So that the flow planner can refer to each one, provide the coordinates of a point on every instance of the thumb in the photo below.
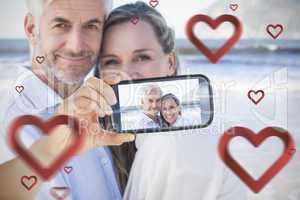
(112, 139)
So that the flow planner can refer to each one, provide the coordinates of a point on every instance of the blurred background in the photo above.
(256, 62)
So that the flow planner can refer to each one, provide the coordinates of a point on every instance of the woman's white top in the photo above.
(181, 165)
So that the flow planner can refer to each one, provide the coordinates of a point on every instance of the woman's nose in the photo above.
(131, 72)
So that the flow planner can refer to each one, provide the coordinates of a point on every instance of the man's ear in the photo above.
(30, 29)
(172, 63)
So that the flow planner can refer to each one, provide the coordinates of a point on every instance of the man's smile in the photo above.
(74, 60)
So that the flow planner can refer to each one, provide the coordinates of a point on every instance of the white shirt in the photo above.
(183, 121)
(93, 174)
(183, 165)
(146, 122)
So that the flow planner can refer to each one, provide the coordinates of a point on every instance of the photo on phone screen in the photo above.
(163, 104)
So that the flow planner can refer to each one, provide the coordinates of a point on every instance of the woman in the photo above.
(133, 50)
(165, 166)
(171, 112)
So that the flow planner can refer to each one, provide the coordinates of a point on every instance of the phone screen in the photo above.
(163, 104)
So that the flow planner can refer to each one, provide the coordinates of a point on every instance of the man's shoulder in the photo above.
(13, 101)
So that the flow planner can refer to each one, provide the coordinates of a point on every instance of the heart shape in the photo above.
(135, 20)
(214, 57)
(234, 7)
(19, 88)
(256, 96)
(68, 169)
(153, 3)
(46, 127)
(40, 59)
(59, 193)
(271, 29)
(28, 182)
(256, 140)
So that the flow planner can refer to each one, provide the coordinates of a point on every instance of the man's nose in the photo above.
(75, 42)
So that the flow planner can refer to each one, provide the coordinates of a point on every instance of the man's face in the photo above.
(151, 103)
(70, 37)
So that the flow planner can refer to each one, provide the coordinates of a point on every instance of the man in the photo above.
(65, 37)
(151, 104)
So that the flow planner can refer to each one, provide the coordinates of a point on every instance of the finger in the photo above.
(112, 139)
(103, 88)
(111, 77)
(88, 98)
(92, 107)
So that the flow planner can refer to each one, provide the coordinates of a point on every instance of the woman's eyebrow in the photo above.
(141, 50)
(108, 56)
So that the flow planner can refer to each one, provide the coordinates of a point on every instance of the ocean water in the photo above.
(273, 68)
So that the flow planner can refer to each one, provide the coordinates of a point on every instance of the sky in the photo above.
(176, 15)
(254, 15)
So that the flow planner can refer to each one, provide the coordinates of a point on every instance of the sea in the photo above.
(253, 64)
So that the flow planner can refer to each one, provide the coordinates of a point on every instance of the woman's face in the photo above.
(170, 110)
(132, 51)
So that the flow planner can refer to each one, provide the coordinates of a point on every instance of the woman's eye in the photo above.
(110, 62)
(142, 58)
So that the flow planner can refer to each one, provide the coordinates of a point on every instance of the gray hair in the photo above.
(142, 11)
(146, 90)
(36, 7)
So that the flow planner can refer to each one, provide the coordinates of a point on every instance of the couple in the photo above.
(69, 35)
(160, 111)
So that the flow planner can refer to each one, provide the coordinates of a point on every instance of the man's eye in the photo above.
(92, 27)
(62, 26)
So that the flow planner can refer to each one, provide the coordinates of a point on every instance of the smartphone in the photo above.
(162, 104)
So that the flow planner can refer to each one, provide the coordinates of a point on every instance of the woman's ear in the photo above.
(172, 63)
(30, 29)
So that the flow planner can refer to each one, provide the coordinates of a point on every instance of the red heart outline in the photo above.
(234, 6)
(53, 192)
(214, 57)
(256, 140)
(135, 20)
(46, 127)
(19, 88)
(153, 3)
(40, 59)
(274, 28)
(68, 169)
(28, 179)
(256, 92)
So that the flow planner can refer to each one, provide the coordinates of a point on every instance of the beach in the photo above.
(275, 69)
